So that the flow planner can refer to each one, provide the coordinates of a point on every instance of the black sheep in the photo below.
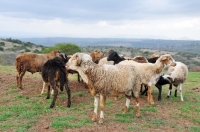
(54, 74)
(113, 56)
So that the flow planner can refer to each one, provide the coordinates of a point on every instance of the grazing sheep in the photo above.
(177, 75)
(31, 62)
(105, 79)
(151, 72)
(54, 74)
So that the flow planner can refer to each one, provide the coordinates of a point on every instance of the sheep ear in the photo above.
(164, 58)
(78, 58)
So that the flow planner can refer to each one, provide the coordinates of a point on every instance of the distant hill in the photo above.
(186, 51)
(10, 48)
(191, 46)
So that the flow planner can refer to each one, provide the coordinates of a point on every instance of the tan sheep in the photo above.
(31, 62)
(105, 79)
(151, 72)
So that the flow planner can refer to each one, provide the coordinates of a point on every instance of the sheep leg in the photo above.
(150, 97)
(145, 90)
(102, 105)
(19, 79)
(175, 93)
(181, 92)
(69, 95)
(48, 92)
(96, 103)
(128, 100)
(160, 91)
(137, 109)
(44, 84)
(55, 96)
(170, 91)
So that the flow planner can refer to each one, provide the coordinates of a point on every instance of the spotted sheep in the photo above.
(176, 75)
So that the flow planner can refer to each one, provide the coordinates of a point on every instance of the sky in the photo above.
(157, 19)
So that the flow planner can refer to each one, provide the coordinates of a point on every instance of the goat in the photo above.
(54, 74)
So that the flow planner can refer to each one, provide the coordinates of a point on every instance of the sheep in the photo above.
(31, 62)
(151, 72)
(105, 79)
(175, 76)
(113, 56)
(96, 56)
(54, 74)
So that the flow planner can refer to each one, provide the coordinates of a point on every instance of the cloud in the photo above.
(94, 18)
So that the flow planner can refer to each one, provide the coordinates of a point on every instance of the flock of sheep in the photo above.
(105, 74)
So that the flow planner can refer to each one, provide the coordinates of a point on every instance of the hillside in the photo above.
(190, 46)
(11, 50)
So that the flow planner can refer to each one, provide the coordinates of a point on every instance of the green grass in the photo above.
(21, 112)
(68, 121)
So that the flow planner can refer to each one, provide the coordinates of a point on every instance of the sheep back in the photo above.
(33, 62)
(54, 70)
(109, 79)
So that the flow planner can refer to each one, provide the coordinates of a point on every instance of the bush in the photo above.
(2, 44)
(1, 48)
(67, 48)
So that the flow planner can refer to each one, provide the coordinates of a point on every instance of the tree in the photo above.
(67, 48)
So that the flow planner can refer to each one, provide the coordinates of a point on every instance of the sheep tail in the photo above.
(62, 77)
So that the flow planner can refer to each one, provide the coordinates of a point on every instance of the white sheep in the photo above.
(151, 72)
(177, 75)
(105, 79)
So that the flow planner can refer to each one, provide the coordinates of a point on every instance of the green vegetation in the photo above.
(22, 111)
(67, 48)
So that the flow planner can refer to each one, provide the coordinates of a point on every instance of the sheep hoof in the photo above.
(101, 121)
(125, 110)
(69, 104)
(52, 105)
(94, 118)
(151, 103)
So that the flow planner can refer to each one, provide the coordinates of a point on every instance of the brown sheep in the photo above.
(96, 56)
(31, 62)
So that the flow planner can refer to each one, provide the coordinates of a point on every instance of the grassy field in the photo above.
(29, 111)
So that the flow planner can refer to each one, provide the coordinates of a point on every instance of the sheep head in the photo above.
(80, 61)
(96, 55)
(55, 52)
(163, 61)
(112, 56)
